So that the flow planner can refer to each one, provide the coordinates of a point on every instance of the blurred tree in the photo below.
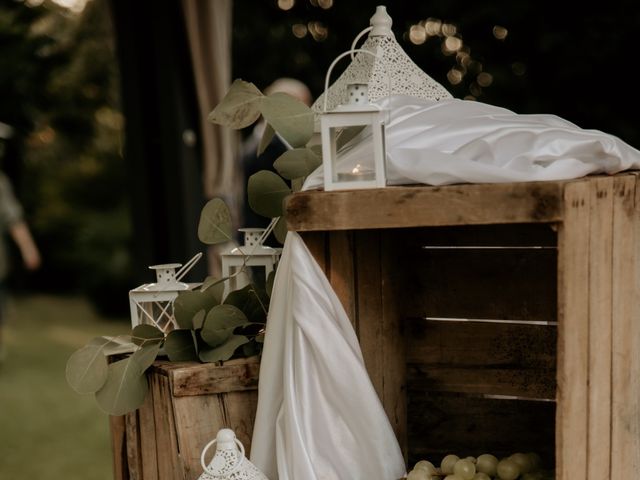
(60, 82)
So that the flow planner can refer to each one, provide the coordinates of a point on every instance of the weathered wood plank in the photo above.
(168, 454)
(599, 298)
(148, 447)
(369, 304)
(341, 270)
(414, 206)
(204, 379)
(117, 428)
(625, 420)
(316, 242)
(573, 333)
(134, 454)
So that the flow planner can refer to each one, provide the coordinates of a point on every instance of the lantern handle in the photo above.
(188, 266)
(230, 472)
(340, 57)
(357, 39)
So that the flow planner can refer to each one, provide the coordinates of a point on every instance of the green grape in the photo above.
(453, 477)
(464, 469)
(481, 476)
(523, 461)
(426, 466)
(447, 464)
(535, 460)
(487, 463)
(508, 469)
(471, 459)
(418, 474)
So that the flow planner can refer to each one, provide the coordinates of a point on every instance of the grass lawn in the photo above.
(47, 431)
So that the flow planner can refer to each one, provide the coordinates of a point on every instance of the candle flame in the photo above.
(356, 169)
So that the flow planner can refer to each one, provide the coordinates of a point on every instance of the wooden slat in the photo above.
(341, 260)
(148, 447)
(203, 379)
(117, 429)
(369, 305)
(441, 424)
(625, 431)
(573, 334)
(414, 206)
(240, 409)
(169, 462)
(599, 298)
(316, 242)
(134, 457)
(393, 348)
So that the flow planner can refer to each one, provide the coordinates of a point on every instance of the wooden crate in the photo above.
(186, 405)
(554, 266)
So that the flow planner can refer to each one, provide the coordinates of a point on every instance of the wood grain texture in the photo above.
(317, 244)
(573, 333)
(134, 457)
(147, 433)
(117, 428)
(341, 268)
(625, 419)
(168, 454)
(599, 348)
(414, 206)
(204, 379)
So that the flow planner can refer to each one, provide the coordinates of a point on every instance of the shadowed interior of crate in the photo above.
(479, 312)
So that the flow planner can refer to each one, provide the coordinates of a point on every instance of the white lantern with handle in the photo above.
(236, 261)
(152, 303)
(229, 461)
(356, 112)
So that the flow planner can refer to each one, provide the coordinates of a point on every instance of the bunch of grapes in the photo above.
(519, 466)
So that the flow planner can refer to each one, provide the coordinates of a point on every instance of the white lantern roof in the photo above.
(406, 77)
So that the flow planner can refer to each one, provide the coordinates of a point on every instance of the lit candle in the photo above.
(357, 173)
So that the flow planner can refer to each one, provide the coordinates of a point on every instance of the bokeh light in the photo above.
(286, 4)
(500, 32)
(299, 30)
(417, 34)
(484, 79)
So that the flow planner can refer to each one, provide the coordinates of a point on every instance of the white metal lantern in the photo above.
(252, 254)
(389, 72)
(355, 112)
(229, 461)
(152, 303)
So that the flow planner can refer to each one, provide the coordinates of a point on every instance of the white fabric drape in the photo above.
(319, 417)
(457, 141)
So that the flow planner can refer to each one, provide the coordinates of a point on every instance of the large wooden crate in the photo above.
(495, 318)
(186, 405)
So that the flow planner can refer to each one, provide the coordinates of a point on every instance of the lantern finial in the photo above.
(381, 23)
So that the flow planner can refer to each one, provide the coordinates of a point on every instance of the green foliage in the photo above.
(86, 369)
(189, 303)
(224, 351)
(215, 222)
(297, 163)
(143, 334)
(220, 324)
(291, 118)
(267, 136)
(240, 107)
(266, 191)
(180, 346)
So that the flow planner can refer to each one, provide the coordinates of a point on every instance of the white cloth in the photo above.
(458, 141)
(318, 417)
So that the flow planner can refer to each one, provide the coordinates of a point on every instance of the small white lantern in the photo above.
(229, 461)
(356, 112)
(252, 254)
(152, 303)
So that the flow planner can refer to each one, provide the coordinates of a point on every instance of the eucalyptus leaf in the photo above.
(198, 319)
(297, 163)
(316, 149)
(266, 191)
(126, 384)
(253, 301)
(180, 346)
(267, 136)
(297, 183)
(224, 351)
(190, 302)
(217, 284)
(240, 107)
(260, 338)
(221, 321)
(252, 348)
(215, 222)
(87, 368)
(291, 118)
(280, 230)
(144, 334)
(269, 283)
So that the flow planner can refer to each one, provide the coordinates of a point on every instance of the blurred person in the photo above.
(251, 161)
(11, 221)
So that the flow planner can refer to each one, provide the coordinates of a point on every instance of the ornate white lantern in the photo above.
(389, 71)
(229, 461)
(253, 253)
(152, 303)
